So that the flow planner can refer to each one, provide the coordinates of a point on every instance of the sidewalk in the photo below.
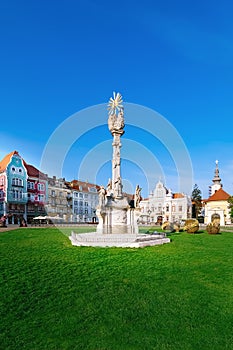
(9, 227)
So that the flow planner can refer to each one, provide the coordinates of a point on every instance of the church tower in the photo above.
(216, 180)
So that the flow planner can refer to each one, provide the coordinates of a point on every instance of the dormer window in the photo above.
(92, 189)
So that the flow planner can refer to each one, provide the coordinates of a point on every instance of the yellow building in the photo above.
(217, 204)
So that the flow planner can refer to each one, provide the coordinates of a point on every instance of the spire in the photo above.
(216, 180)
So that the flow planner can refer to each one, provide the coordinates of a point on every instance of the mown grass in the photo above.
(56, 296)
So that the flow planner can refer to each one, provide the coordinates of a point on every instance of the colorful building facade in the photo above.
(23, 189)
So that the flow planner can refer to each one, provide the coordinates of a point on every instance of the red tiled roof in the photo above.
(33, 171)
(178, 195)
(219, 195)
(76, 184)
(6, 160)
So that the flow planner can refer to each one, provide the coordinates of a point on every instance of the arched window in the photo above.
(17, 182)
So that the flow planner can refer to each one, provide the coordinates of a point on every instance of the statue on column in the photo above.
(109, 188)
(102, 194)
(116, 113)
(137, 196)
(116, 125)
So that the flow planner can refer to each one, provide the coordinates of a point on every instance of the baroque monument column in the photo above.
(116, 125)
(118, 221)
(114, 212)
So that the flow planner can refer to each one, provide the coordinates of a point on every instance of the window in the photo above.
(85, 195)
(86, 211)
(93, 189)
(167, 207)
(30, 185)
(17, 182)
(31, 197)
(75, 202)
(86, 204)
(173, 208)
(81, 203)
(180, 207)
(40, 187)
(40, 197)
(80, 195)
(53, 193)
(13, 169)
(17, 194)
(80, 187)
(20, 170)
(60, 194)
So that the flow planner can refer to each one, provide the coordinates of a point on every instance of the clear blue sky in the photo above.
(175, 57)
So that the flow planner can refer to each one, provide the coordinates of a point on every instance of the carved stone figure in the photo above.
(137, 196)
(102, 194)
(109, 188)
(118, 187)
(116, 113)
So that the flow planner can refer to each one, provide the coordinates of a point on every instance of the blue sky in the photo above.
(174, 57)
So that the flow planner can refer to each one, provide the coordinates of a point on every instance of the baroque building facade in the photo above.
(72, 201)
(163, 205)
(23, 189)
(59, 203)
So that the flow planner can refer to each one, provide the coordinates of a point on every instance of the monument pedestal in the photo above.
(94, 239)
(116, 217)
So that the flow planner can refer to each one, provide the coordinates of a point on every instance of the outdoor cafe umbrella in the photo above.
(39, 217)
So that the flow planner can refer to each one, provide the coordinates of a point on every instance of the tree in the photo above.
(230, 201)
(196, 201)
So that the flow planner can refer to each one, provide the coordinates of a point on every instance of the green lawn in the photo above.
(56, 296)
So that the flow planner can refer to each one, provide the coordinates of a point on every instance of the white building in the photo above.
(163, 205)
(85, 199)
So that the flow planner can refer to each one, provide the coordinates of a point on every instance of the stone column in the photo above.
(116, 163)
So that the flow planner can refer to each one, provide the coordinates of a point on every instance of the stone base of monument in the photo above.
(94, 239)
